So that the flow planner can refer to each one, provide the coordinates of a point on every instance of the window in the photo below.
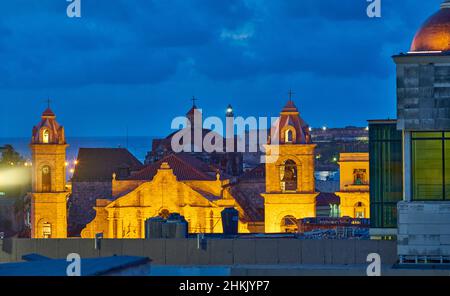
(46, 137)
(289, 176)
(430, 166)
(289, 224)
(386, 173)
(335, 211)
(360, 210)
(359, 177)
(46, 230)
(46, 179)
(288, 136)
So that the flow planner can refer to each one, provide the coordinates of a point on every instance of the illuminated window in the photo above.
(360, 210)
(335, 211)
(46, 137)
(289, 224)
(288, 136)
(430, 166)
(46, 230)
(359, 177)
(288, 176)
(46, 179)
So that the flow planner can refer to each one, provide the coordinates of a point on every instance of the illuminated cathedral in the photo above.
(114, 194)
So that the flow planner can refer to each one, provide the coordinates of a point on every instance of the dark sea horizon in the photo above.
(137, 145)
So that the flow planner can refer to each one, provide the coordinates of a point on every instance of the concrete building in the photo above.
(423, 108)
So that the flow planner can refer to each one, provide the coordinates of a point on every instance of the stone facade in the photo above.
(200, 202)
(423, 92)
(290, 186)
(49, 193)
(82, 203)
(354, 185)
(423, 229)
(423, 105)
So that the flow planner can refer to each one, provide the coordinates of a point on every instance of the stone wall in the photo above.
(242, 251)
(82, 203)
(423, 92)
(424, 229)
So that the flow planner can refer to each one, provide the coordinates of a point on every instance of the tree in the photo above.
(10, 156)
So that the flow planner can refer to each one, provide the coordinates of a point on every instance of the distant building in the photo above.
(346, 134)
(386, 177)
(354, 185)
(230, 163)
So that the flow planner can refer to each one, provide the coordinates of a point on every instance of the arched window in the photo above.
(46, 179)
(45, 136)
(360, 210)
(289, 224)
(46, 230)
(359, 177)
(288, 136)
(289, 176)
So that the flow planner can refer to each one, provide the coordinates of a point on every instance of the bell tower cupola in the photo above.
(49, 193)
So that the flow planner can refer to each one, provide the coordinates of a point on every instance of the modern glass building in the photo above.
(386, 176)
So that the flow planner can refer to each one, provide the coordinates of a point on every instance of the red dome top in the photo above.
(48, 113)
(434, 35)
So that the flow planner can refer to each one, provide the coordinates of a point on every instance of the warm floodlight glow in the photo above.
(14, 177)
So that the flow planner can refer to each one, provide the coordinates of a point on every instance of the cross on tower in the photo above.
(194, 99)
(48, 102)
(291, 93)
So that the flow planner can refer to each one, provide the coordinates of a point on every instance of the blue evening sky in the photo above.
(137, 63)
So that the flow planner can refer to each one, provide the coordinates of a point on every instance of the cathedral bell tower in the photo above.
(49, 193)
(290, 187)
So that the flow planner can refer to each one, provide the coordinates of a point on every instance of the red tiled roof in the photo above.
(184, 166)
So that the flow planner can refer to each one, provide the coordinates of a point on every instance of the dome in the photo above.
(48, 113)
(434, 35)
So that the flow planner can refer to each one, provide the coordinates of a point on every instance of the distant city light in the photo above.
(310, 129)
(367, 128)
(324, 128)
(66, 163)
(75, 162)
(72, 171)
